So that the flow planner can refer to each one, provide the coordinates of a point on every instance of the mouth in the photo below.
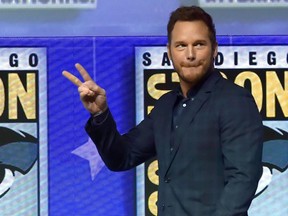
(189, 65)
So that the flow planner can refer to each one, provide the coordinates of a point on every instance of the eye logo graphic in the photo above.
(18, 153)
(274, 157)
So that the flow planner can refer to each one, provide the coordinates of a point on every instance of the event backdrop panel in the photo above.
(49, 166)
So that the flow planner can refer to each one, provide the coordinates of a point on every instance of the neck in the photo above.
(185, 87)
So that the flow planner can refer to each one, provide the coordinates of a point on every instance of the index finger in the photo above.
(85, 75)
(72, 78)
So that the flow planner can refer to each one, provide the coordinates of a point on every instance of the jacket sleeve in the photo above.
(241, 142)
(121, 152)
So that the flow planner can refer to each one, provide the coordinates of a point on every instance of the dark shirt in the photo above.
(180, 105)
(183, 103)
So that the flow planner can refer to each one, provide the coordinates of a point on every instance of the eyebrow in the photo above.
(196, 41)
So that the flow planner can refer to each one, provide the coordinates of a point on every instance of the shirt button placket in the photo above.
(167, 180)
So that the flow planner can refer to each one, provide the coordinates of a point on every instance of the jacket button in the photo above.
(167, 180)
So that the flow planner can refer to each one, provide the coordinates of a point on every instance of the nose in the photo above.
(190, 53)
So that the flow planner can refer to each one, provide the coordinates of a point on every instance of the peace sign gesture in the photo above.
(92, 96)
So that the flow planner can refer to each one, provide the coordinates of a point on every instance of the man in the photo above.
(207, 135)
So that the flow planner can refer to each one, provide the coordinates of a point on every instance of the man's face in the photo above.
(191, 52)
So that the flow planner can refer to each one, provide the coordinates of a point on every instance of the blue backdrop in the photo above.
(78, 183)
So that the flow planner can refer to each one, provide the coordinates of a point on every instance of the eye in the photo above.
(180, 46)
(18, 153)
(7, 178)
(199, 45)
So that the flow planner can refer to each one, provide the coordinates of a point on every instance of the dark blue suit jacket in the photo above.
(216, 163)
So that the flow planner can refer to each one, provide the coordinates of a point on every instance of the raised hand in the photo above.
(92, 96)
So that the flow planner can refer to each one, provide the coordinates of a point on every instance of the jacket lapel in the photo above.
(165, 126)
(189, 114)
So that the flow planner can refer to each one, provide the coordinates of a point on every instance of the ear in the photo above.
(215, 50)
(168, 50)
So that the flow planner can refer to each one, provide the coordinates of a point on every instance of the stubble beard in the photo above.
(195, 75)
